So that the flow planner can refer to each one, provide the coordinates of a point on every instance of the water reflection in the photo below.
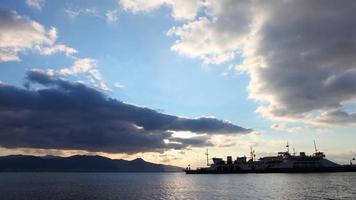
(60, 186)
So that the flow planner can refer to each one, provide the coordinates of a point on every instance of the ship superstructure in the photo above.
(283, 162)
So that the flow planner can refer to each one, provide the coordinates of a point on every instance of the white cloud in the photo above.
(119, 85)
(88, 68)
(102, 86)
(84, 68)
(185, 9)
(141, 5)
(217, 37)
(181, 9)
(195, 42)
(37, 4)
(18, 34)
(75, 12)
(83, 65)
(68, 51)
(111, 16)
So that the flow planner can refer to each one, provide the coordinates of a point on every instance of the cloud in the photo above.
(119, 85)
(72, 116)
(169, 156)
(75, 12)
(300, 60)
(181, 9)
(336, 117)
(217, 37)
(111, 16)
(141, 5)
(19, 34)
(80, 66)
(37, 4)
(84, 68)
(300, 55)
(102, 86)
(284, 127)
(68, 51)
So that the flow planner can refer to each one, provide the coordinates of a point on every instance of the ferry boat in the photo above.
(283, 162)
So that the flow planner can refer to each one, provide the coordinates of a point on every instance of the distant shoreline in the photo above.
(124, 172)
(81, 163)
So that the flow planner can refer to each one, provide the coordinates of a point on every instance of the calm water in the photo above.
(88, 186)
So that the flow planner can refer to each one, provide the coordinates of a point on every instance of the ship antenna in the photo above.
(207, 157)
(316, 150)
(254, 155)
(294, 152)
(251, 153)
(287, 147)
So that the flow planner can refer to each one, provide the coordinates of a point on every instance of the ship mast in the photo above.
(252, 153)
(316, 150)
(287, 147)
(207, 157)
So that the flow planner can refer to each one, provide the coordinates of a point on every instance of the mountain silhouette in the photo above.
(79, 163)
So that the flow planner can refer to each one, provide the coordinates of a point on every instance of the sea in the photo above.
(102, 186)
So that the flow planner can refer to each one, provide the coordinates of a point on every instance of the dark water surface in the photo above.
(88, 186)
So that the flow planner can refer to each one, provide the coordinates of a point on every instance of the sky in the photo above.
(166, 79)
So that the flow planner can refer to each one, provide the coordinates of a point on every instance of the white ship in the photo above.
(284, 162)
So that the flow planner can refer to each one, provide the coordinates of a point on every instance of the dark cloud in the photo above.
(337, 117)
(307, 64)
(66, 115)
(300, 55)
(309, 50)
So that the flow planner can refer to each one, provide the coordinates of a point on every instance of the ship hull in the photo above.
(283, 170)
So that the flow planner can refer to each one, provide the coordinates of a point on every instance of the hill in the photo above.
(79, 163)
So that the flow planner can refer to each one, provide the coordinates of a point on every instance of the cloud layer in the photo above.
(300, 55)
(65, 115)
